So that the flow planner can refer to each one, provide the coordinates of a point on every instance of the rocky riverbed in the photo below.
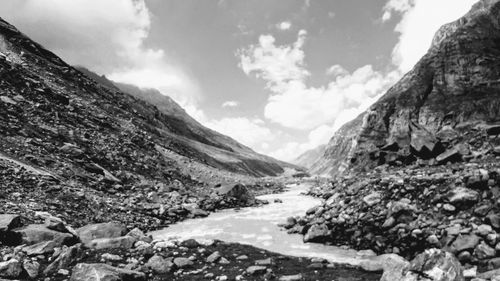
(53, 250)
(454, 207)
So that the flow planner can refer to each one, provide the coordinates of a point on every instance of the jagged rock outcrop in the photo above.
(447, 100)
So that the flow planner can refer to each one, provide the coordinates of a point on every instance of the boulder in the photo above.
(317, 233)
(125, 242)
(434, 265)
(464, 243)
(393, 267)
(450, 155)
(462, 196)
(100, 230)
(139, 235)
(372, 198)
(159, 264)
(36, 233)
(9, 222)
(214, 257)
(238, 191)
(483, 251)
(10, 269)
(32, 268)
(104, 272)
(42, 248)
(256, 269)
(67, 256)
(422, 141)
(183, 262)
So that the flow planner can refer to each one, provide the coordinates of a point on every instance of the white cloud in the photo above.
(331, 15)
(420, 21)
(295, 105)
(284, 25)
(277, 65)
(230, 103)
(107, 36)
(252, 132)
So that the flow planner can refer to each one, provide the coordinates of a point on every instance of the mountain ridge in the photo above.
(451, 91)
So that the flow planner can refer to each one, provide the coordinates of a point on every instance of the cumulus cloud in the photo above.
(292, 103)
(107, 36)
(284, 25)
(230, 103)
(252, 132)
(420, 21)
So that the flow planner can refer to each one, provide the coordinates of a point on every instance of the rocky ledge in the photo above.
(53, 250)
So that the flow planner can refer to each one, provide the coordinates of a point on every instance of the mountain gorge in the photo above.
(438, 112)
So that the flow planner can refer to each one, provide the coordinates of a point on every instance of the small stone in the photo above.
(32, 268)
(449, 208)
(267, 261)
(483, 251)
(183, 262)
(256, 269)
(214, 257)
(296, 277)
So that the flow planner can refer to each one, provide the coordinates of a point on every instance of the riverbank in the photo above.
(405, 211)
(55, 251)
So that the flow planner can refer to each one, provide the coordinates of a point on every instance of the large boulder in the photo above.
(36, 233)
(10, 269)
(317, 233)
(104, 272)
(434, 265)
(9, 222)
(238, 191)
(67, 256)
(100, 230)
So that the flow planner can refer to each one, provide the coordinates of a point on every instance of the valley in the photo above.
(101, 180)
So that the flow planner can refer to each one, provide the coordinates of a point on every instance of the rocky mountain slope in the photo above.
(89, 152)
(438, 110)
(228, 153)
(308, 158)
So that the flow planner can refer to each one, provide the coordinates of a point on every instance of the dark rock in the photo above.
(238, 191)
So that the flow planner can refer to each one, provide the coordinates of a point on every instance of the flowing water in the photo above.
(258, 226)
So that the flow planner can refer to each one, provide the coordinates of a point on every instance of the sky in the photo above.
(280, 76)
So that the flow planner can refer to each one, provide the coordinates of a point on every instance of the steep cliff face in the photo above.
(451, 92)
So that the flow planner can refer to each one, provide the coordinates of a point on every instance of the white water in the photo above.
(258, 226)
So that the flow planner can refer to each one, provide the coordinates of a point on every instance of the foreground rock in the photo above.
(99, 271)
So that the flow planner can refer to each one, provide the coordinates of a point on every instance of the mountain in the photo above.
(60, 122)
(438, 112)
(308, 158)
(198, 138)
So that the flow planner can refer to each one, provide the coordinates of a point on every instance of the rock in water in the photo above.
(317, 233)
(238, 191)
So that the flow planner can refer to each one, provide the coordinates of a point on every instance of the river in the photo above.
(258, 226)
